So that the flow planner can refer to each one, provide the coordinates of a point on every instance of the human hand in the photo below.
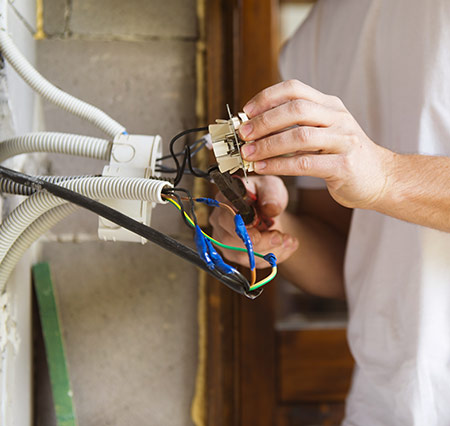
(300, 131)
(272, 199)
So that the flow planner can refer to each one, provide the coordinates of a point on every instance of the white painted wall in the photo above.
(17, 116)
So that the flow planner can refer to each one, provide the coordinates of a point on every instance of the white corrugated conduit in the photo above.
(93, 187)
(51, 93)
(56, 143)
(39, 227)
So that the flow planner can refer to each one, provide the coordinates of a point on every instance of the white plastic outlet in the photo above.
(227, 143)
(131, 156)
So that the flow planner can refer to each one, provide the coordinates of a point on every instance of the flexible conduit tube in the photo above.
(58, 143)
(9, 187)
(53, 94)
(39, 227)
(95, 187)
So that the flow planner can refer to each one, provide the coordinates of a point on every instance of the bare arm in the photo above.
(417, 190)
(301, 131)
(309, 244)
(321, 227)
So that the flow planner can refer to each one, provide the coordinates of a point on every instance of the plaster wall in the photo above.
(18, 106)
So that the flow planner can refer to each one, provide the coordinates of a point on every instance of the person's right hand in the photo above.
(272, 199)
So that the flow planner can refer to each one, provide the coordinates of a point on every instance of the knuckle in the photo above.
(293, 85)
(272, 166)
(298, 107)
(304, 163)
(270, 145)
(336, 101)
(345, 165)
(347, 119)
(303, 133)
(264, 121)
(264, 96)
(351, 140)
(255, 236)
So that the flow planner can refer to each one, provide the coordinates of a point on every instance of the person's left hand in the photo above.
(300, 131)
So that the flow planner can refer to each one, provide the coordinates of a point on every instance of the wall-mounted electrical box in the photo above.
(131, 156)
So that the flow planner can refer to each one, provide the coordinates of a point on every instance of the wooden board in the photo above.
(313, 365)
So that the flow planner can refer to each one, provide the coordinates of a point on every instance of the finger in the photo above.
(273, 240)
(298, 139)
(272, 195)
(282, 251)
(281, 93)
(224, 228)
(282, 245)
(297, 112)
(325, 166)
(220, 218)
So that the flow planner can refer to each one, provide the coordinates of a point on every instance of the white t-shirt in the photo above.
(389, 61)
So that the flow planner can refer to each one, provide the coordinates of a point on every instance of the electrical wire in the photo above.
(171, 191)
(196, 146)
(194, 171)
(180, 167)
(236, 282)
(189, 152)
(240, 229)
(253, 286)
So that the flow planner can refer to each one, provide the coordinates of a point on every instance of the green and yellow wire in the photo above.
(253, 285)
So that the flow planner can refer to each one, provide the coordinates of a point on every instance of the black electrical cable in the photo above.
(182, 210)
(196, 146)
(195, 172)
(180, 168)
(168, 170)
(237, 283)
(180, 171)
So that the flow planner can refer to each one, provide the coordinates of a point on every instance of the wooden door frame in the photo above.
(241, 378)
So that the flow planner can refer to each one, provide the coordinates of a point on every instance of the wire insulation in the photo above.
(59, 193)
(253, 286)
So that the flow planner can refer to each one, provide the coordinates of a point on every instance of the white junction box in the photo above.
(131, 156)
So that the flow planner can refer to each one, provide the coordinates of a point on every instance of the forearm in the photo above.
(417, 190)
(317, 265)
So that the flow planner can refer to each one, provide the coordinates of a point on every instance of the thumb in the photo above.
(272, 195)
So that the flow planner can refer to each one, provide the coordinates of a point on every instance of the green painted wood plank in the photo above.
(54, 346)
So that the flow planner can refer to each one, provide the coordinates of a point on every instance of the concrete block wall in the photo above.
(128, 311)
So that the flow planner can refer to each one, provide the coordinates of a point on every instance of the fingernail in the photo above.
(269, 202)
(246, 129)
(248, 108)
(248, 150)
(271, 208)
(276, 240)
(260, 165)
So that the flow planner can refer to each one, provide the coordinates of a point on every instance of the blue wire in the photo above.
(242, 233)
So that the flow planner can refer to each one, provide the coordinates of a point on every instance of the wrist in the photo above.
(391, 164)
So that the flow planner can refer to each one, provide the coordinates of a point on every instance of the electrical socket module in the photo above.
(131, 156)
(227, 144)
